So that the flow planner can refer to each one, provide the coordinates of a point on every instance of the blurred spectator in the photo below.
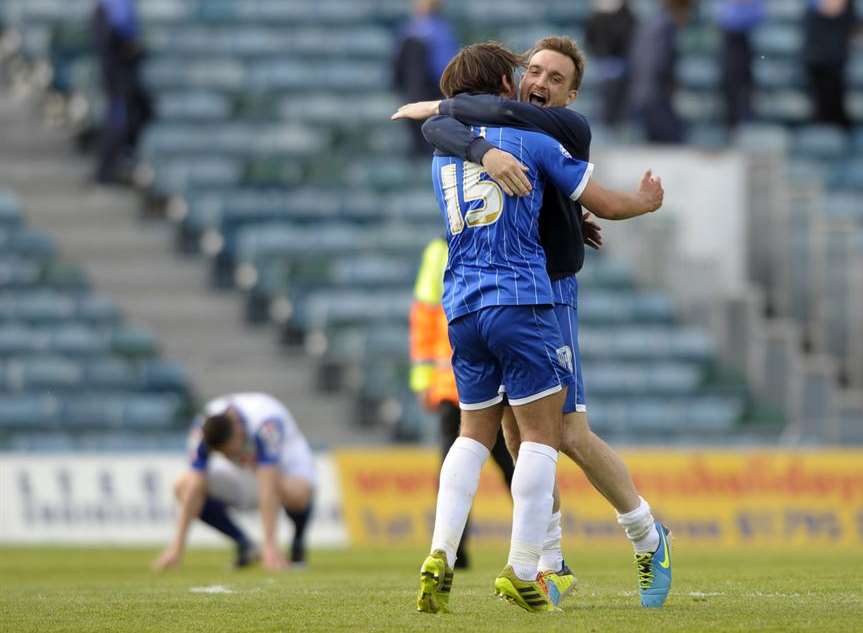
(654, 58)
(737, 19)
(829, 25)
(426, 44)
(609, 34)
(127, 106)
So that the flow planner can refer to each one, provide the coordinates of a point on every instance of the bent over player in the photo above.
(245, 451)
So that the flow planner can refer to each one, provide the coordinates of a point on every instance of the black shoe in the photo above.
(298, 554)
(247, 555)
(462, 561)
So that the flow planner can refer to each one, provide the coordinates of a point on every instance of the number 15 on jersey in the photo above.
(474, 189)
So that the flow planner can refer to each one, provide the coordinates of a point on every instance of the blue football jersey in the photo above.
(495, 257)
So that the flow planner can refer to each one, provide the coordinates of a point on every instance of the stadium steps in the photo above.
(133, 262)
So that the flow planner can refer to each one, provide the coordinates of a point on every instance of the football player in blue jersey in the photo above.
(552, 80)
(245, 452)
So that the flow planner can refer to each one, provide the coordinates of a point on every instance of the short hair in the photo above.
(217, 430)
(565, 46)
(479, 68)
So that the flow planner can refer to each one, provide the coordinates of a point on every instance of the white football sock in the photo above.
(532, 500)
(459, 479)
(552, 557)
(639, 526)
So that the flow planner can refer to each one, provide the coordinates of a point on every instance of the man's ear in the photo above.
(508, 89)
(571, 96)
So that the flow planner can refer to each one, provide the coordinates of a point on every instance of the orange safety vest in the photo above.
(431, 354)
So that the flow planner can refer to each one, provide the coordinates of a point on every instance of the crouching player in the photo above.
(245, 451)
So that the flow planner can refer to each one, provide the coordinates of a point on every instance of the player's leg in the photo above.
(609, 475)
(227, 488)
(502, 457)
(450, 422)
(527, 341)
(297, 493)
(478, 377)
(607, 472)
(551, 563)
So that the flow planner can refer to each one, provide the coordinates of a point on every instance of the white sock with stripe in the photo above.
(532, 500)
(459, 479)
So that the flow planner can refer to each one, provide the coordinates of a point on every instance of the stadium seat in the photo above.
(45, 374)
(820, 142)
(698, 73)
(10, 211)
(778, 40)
(29, 411)
(194, 106)
(111, 374)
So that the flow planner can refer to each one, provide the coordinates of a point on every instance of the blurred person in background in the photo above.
(737, 19)
(426, 44)
(245, 451)
(432, 377)
(828, 25)
(654, 59)
(128, 107)
(608, 35)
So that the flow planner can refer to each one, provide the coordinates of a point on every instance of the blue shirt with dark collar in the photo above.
(560, 223)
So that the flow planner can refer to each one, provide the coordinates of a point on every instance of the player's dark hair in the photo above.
(565, 46)
(217, 429)
(480, 68)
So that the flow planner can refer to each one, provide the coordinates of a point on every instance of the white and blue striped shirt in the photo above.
(495, 256)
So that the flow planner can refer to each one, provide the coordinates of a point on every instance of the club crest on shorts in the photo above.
(564, 355)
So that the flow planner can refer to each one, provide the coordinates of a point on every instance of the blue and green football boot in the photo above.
(654, 571)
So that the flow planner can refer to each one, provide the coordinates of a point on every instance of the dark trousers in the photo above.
(450, 422)
(737, 78)
(129, 110)
(827, 83)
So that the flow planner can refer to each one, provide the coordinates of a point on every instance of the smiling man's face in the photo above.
(548, 80)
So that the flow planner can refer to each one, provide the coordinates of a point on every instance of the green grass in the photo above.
(80, 590)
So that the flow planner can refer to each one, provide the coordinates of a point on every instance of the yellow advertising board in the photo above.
(712, 498)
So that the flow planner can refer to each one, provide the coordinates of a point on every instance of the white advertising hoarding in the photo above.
(122, 499)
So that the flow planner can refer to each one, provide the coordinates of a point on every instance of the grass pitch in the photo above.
(94, 590)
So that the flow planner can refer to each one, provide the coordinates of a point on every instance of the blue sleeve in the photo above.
(570, 175)
(199, 457)
(568, 127)
(122, 17)
(269, 441)
(452, 138)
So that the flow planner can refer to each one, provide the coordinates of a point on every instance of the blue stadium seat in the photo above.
(111, 374)
(133, 342)
(174, 175)
(698, 73)
(29, 411)
(787, 106)
(673, 342)
(846, 175)
(820, 142)
(777, 74)
(10, 210)
(26, 242)
(778, 40)
(151, 412)
(843, 206)
(45, 374)
(616, 379)
(194, 106)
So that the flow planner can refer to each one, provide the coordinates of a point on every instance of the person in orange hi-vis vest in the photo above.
(432, 378)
